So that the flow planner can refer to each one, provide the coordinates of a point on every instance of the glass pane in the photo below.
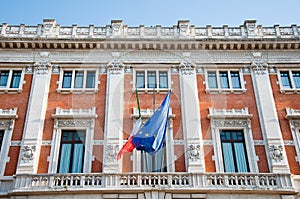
(296, 77)
(67, 79)
(65, 156)
(3, 78)
(151, 79)
(224, 80)
(212, 80)
(240, 156)
(90, 79)
(163, 80)
(235, 79)
(77, 158)
(1, 138)
(140, 79)
(15, 80)
(78, 79)
(228, 157)
(285, 79)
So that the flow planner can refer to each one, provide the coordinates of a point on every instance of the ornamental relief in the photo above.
(230, 123)
(28, 153)
(115, 68)
(194, 152)
(74, 123)
(187, 68)
(111, 152)
(6, 124)
(276, 152)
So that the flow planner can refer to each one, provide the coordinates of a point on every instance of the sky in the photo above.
(151, 12)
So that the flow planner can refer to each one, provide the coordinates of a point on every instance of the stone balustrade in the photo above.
(134, 182)
(117, 29)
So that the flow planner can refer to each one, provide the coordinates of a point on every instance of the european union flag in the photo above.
(151, 136)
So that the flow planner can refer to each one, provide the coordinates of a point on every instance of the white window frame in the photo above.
(60, 88)
(170, 157)
(7, 88)
(233, 119)
(7, 121)
(157, 89)
(225, 90)
(294, 119)
(69, 119)
(288, 90)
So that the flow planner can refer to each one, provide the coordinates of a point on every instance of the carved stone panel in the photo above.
(276, 152)
(28, 153)
(111, 152)
(194, 152)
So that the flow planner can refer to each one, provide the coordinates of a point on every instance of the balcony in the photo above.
(131, 183)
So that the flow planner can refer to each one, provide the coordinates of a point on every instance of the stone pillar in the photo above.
(114, 118)
(268, 119)
(34, 124)
(190, 107)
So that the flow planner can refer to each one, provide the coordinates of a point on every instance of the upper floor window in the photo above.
(234, 151)
(224, 81)
(155, 163)
(152, 80)
(78, 81)
(1, 138)
(10, 80)
(289, 80)
(71, 151)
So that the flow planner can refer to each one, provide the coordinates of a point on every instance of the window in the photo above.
(155, 163)
(71, 151)
(224, 81)
(78, 81)
(233, 150)
(289, 80)
(152, 79)
(10, 79)
(1, 138)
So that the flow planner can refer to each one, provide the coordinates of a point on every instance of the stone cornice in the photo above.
(184, 36)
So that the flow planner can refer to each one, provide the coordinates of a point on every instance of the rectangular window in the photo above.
(163, 79)
(224, 80)
(1, 138)
(90, 79)
(212, 80)
(78, 79)
(4, 78)
(140, 79)
(151, 75)
(155, 163)
(15, 81)
(296, 77)
(285, 79)
(235, 79)
(234, 151)
(67, 79)
(71, 151)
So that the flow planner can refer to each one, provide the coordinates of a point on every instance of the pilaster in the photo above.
(268, 118)
(114, 117)
(191, 119)
(34, 124)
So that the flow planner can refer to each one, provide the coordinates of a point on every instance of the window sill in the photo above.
(290, 91)
(10, 90)
(151, 90)
(77, 91)
(226, 91)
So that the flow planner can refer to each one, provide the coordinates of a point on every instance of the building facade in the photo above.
(67, 105)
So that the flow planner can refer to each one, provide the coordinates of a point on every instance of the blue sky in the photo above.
(150, 12)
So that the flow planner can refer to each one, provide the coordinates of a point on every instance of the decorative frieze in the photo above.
(229, 123)
(187, 68)
(74, 123)
(115, 68)
(27, 153)
(276, 152)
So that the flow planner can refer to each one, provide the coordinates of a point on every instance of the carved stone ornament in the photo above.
(116, 68)
(194, 152)
(55, 69)
(230, 123)
(74, 123)
(28, 153)
(276, 152)
(259, 67)
(187, 68)
(41, 68)
(111, 152)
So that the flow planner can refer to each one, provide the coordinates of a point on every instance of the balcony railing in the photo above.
(135, 182)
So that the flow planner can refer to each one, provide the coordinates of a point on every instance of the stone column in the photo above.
(190, 107)
(114, 117)
(35, 117)
(268, 119)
